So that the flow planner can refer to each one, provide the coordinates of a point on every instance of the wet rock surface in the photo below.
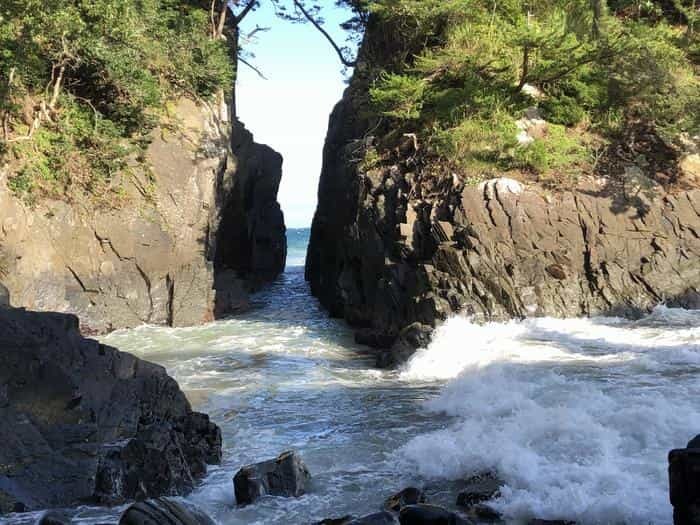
(164, 511)
(378, 518)
(398, 245)
(424, 514)
(285, 476)
(85, 423)
(408, 496)
(684, 483)
(480, 488)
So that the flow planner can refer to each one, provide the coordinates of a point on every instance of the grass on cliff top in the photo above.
(82, 84)
(602, 68)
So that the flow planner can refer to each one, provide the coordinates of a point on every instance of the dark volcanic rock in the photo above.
(336, 521)
(684, 483)
(53, 517)
(378, 518)
(398, 244)
(429, 515)
(83, 422)
(550, 522)
(408, 496)
(285, 476)
(251, 237)
(163, 511)
(480, 488)
(414, 336)
(485, 513)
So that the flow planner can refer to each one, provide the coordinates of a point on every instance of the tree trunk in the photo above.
(235, 37)
(525, 67)
(597, 7)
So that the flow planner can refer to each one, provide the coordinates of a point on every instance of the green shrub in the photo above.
(462, 89)
(558, 151)
(119, 62)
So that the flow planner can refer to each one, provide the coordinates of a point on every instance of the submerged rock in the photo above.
(423, 514)
(480, 488)
(408, 496)
(336, 521)
(54, 517)
(378, 518)
(164, 511)
(485, 513)
(550, 522)
(285, 476)
(684, 483)
(83, 422)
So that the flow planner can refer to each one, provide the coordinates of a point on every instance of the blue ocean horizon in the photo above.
(297, 243)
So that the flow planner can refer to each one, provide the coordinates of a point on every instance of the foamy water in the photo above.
(577, 416)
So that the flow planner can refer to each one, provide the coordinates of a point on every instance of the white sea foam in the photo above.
(577, 416)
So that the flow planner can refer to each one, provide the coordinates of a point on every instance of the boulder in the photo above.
(164, 511)
(378, 518)
(479, 488)
(408, 496)
(482, 512)
(684, 483)
(550, 522)
(344, 520)
(415, 335)
(285, 476)
(102, 425)
(53, 517)
(423, 514)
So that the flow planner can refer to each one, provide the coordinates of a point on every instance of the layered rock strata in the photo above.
(198, 227)
(397, 248)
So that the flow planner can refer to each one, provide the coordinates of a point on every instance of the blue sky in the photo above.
(289, 111)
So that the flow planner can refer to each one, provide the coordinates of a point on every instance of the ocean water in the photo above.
(297, 242)
(577, 416)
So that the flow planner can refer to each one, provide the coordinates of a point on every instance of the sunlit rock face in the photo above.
(399, 245)
(161, 256)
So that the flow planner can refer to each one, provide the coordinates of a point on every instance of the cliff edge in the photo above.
(198, 226)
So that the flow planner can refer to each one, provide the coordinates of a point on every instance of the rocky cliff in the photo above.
(398, 248)
(199, 226)
(85, 423)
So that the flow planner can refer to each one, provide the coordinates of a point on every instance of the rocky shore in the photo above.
(397, 248)
(199, 227)
(86, 424)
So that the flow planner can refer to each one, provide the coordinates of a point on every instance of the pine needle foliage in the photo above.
(590, 60)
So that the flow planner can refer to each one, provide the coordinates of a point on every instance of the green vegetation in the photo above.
(596, 70)
(82, 83)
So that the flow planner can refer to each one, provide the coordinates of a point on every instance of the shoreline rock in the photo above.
(196, 233)
(396, 244)
(285, 476)
(684, 483)
(84, 423)
(164, 511)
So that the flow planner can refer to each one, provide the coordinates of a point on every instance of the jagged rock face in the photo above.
(251, 237)
(83, 422)
(396, 250)
(152, 260)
